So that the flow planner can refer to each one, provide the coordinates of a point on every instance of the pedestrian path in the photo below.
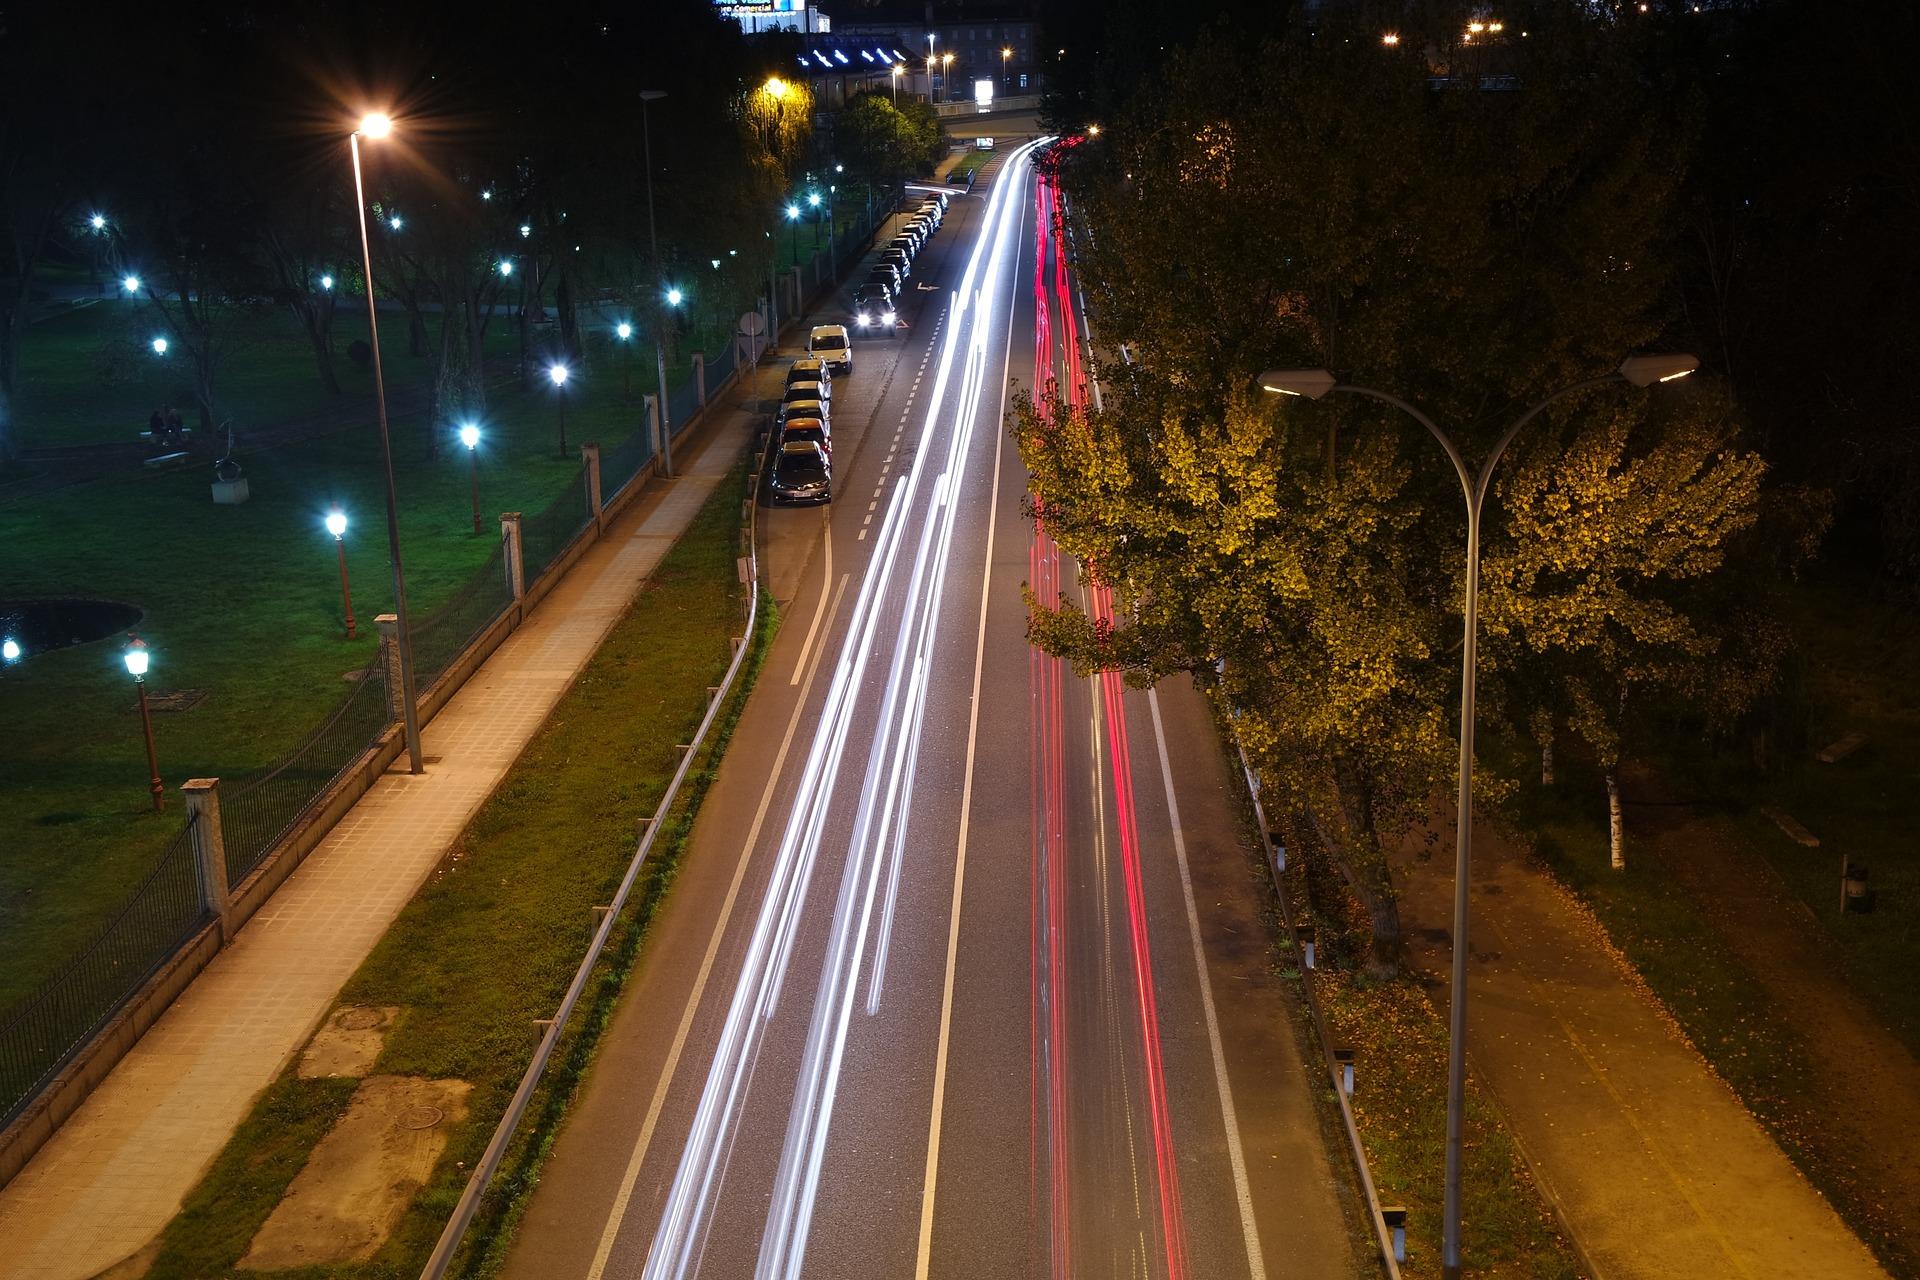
(117, 1171)
(1653, 1163)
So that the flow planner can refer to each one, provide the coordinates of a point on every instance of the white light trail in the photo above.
(686, 1216)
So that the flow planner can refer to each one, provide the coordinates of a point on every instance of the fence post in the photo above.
(652, 403)
(515, 561)
(389, 625)
(700, 379)
(793, 304)
(590, 455)
(210, 849)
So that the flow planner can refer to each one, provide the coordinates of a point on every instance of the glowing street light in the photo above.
(506, 266)
(776, 88)
(470, 437)
(159, 346)
(326, 283)
(396, 222)
(336, 523)
(1314, 384)
(98, 222)
(675, 297)
(9, 650)
(379, 125)
(130, 283)
(526, 230)
(558, 374)
(1390, 39)
(137, 659)
(624, 332)
(897, 71)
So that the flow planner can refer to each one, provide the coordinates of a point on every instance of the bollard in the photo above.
(513, 559)
(1394, 1217)
(1343, 1063)
(210, 849)
(1303, 934)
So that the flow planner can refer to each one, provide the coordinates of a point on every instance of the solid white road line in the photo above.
(1248, 1231)
(806, 647)
(924, 1257)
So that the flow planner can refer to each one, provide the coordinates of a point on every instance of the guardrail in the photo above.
(1335, 1069)
(489, 1162)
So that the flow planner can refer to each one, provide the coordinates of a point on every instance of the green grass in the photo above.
(547, 846)
(970, 164)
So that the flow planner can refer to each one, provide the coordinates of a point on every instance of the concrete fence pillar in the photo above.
(210, 849)
(700, 378)
(389, 625)
(590, 456)
(652, 403)
(515, 561)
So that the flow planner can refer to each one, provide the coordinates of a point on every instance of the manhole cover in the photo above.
(421, 1117)
(360, 1019)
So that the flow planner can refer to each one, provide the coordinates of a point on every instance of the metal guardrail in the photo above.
(489, 1162)
(1380, 1234)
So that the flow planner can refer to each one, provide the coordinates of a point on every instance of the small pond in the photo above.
(36, 626)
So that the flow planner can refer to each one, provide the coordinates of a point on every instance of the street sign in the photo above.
(752, 323)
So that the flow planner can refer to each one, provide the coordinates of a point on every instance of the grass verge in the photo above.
(1399, 1103)
(552, 841)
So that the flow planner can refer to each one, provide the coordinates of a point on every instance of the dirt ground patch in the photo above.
(362, 1176)
(347, 1043)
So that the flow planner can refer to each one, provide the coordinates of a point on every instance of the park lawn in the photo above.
(550, 843)
(970, 164)
(242, 602)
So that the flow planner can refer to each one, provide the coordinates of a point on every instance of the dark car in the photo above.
(873, 307)
(897, 259)
(884, 274)
(802, 472)
(908, 245)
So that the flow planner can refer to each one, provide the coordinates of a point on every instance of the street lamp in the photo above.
(137, 658)
(337, 526)
(793, 229)
(674, 297)
(506, 266)
(130, 283)
(470, 437)
(559, 374)
(653, 240)
(1005, 54)
(1639, 371)
(897, 71)
(9, 650)
(624, 332)
(326, 283)
(377, 125)
(98, 222)
(159, 346)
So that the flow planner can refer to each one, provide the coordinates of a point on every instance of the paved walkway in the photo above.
(117, 1171)
(1654, 1164)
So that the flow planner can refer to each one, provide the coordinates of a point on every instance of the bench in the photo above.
(161, 461)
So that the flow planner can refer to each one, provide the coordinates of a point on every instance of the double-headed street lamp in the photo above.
(137, 658)
(1639, 371)
(337, 526)
(470, 437)
(376, 126)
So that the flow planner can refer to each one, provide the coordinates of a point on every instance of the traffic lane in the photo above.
(566, 1218)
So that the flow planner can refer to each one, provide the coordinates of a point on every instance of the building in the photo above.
(937, 52)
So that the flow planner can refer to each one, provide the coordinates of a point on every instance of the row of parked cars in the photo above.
(803, 461)
(876, 303)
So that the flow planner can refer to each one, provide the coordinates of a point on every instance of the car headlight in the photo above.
(861, 318)
(887, 318)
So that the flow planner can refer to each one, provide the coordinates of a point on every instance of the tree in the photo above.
(1609, 521)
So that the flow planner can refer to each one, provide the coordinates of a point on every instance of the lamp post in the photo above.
(793, 230)
(1639, 371)
(159, 346)
(946, 74)
(137, 657)
(897, 72)
(376, 126)
(337, 526)
(653, 242)
(624, 332)
(1005, 54)
(559, 374)
(470, 437)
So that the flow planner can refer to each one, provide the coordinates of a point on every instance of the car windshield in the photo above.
(829, 342)
(802, 464)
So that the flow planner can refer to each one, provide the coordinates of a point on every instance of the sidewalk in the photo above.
(117, 1171)
(1650, 1159)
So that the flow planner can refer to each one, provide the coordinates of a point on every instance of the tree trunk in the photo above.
(1616, 826)
(569, 322)
(11, 325)
(317, 321)
(1388, 946)
(1546, 762)
(416, 332)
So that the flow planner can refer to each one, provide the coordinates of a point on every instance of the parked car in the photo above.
(833, 346)
(808, 369)
(898, 260)
(814, 430)
(883, 273)
(790, 409)
(909, 244)
(802, 472)
(873, 307)
(799, 391)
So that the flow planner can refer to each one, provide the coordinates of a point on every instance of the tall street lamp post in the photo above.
(624, 332)
(813, 203)
(1640, 371)
(653, 242)
(137, 657)
(1005, 54)
(337, 526)
(559, 374)
(376, 126)
(470, 437)
(898, 71)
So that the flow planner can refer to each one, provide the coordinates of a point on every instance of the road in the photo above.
(966, 971)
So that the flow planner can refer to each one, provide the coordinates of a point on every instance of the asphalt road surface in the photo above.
(965, 973)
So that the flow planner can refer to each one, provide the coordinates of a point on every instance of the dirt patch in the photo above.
(362, 1176)
(347, 1043)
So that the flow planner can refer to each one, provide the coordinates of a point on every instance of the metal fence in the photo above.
(39, 1035)
(545, 534)
(440, 637)
(620, 464)
(257, 810)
